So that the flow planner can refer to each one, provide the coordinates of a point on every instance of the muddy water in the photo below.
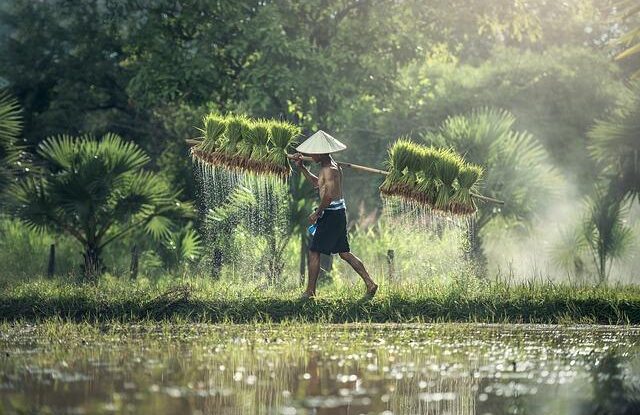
(319, 369)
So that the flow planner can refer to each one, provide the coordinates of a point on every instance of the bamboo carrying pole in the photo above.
(383, 172)
(193, 142)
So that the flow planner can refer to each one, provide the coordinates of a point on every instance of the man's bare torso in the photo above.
(330, 182)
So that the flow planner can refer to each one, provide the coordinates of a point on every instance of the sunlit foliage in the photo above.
(96, 191)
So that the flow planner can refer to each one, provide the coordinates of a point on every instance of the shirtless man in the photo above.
(331, 232)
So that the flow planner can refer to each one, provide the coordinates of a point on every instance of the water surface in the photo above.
(319, 369)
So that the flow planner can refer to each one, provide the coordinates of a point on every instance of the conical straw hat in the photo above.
(320, 143)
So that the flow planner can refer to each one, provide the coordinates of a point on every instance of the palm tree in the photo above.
(97, 191)
(604, 234)
(516, 167)
(615, 145)
(222, 222)
(10, 130)
(631, 39)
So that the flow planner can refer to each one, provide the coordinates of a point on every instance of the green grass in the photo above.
(200, 299)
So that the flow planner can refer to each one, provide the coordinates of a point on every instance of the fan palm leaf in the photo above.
(97, 192)
(10, 130)
(631, 39)
(616, 147)
(516, 166)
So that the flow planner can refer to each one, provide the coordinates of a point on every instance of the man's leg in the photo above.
(314, 270)
(358, 267)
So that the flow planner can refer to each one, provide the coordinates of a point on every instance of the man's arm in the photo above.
(311, 177)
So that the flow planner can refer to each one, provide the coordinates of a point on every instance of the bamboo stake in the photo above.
(194, 142)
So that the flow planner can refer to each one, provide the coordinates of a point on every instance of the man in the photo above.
(330, 235)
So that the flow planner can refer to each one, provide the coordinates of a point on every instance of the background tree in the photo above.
(615, 145)
(10, 129)
(604, 234)
(631, 39)
(96, 191)
(515, 163)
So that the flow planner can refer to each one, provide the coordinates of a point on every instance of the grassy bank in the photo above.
(198, 299)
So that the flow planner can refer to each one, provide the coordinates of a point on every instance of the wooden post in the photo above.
(51, 267)
(391, 264)
(133, 270)
(303, 258)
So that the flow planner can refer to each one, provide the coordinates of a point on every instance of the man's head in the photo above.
(318, 158)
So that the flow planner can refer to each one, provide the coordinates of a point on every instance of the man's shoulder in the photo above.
(330, 170)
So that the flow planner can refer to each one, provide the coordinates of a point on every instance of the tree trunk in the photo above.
(272, 258)
(474, 252)
(51, 267)
(133, 269)
(216, 262)
(602, 266)
(303, 258)
(92, 268)
(391, 264)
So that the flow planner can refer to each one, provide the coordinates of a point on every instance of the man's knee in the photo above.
(314, 255)
(346, 255)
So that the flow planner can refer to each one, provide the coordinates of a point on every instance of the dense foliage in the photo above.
(96, 192)
(368, 71)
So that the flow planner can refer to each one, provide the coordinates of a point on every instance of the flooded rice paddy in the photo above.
(319, 369)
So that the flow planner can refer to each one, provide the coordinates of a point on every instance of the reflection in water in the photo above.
(319, 369)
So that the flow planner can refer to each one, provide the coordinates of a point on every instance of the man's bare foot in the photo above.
(307, 296)
(371, 291)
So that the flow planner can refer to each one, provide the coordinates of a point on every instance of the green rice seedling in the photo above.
(283, 138)
(461, 201)
(414, 160)
(213, 132)
(397, 163)
(245, 145)
(235, 125)
(448, 168)
(260, 137)
(427, 188)
(428, 175)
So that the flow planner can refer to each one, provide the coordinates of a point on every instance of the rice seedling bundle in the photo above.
(461, 201)
(261, 137)
(213, 131)
(435, 177)
(448, 167)
(245, 145)
(237, 142)
(283, 138)
(235, 125)
(399, 155)
(438, 178)
(427, 189)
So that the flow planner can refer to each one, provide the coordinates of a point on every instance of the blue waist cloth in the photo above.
(337, 205)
